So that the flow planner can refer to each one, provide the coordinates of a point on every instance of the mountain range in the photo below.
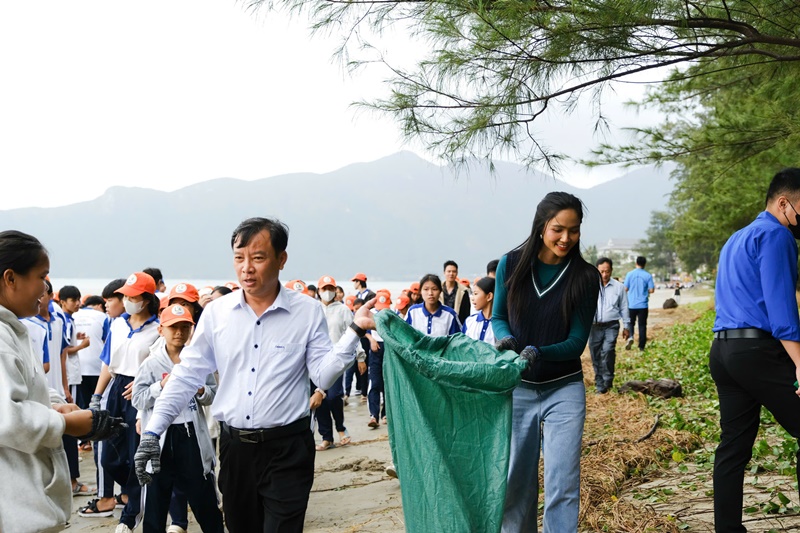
(395, 218)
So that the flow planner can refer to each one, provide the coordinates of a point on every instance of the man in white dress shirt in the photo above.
(266, 342)
(612, 305)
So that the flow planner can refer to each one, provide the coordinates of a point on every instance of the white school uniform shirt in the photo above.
(126, 348)
(95, 325)
(74, 373)
(38, 336)
(439, 324)
(55, 345)
(479, 327)
(264, 361)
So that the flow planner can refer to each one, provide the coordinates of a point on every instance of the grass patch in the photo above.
(681, 352)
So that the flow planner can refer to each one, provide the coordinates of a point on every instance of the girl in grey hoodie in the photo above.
(35, 495)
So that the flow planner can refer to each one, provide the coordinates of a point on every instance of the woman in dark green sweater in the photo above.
(545, 298)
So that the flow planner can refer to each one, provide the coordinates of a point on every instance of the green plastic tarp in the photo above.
(448, 402)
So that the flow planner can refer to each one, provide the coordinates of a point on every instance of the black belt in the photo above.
(255, 436)
(742, 333)
(606, 324)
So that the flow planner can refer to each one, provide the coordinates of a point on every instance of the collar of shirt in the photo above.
(480, 317)
(281, 301)
(429, 314)
(126, 316)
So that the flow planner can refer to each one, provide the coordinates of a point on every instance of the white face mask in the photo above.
(327, 296)
(133, 308)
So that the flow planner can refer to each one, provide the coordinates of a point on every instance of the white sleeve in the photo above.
(325, 363)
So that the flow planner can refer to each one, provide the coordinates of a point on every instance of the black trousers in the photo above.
(117, 452)
(330, 407)
(71, 448)
(749, 373)
(641, 314)
(265, 486)
(85, 391)
(181, 468)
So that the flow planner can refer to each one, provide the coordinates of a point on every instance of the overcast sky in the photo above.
(167, 94)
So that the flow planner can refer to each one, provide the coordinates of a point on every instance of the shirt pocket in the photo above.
(285, 359)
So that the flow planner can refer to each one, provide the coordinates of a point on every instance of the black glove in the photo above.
(104, 426)
(506, 343)
(530, 354)
(149, 451)
(94, 403)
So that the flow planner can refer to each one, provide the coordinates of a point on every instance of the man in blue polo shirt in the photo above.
(639, 284)
(755, 355)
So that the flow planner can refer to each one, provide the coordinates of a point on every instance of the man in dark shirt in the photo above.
(755, 355)
(454, 294)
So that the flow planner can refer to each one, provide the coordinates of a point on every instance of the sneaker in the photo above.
(91, 510)
(122, 528)
(391, 471)
(629, 343)
(373, 422)
(175, 529)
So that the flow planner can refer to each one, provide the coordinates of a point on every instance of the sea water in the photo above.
(89, 286)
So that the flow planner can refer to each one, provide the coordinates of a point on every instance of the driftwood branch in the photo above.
(627, 441)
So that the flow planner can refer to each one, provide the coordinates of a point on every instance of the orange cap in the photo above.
(187, 291)
(360, 276)
(414, 287)
(348, 301)
(464, 281)
(324, 281)
(476, 280)
(296, 285)
(207, 290)
(173, 314)
(232, 286)
(402, 301)
(138, 283)
(164, 302)
(382, 301)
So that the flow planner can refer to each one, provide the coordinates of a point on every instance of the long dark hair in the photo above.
(579, 277)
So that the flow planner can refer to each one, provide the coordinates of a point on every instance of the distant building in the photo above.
(622, 250)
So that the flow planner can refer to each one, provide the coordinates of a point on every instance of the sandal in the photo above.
(86, 446)
(83, 490)
(326, 445)
(344, 438)
(92, 510)
(120, 502)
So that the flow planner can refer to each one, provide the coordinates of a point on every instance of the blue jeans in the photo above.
(375, 381)
(602, 346)
(550, 421)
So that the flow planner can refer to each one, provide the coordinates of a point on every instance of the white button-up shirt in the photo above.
(612, 303)
(264, 362)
